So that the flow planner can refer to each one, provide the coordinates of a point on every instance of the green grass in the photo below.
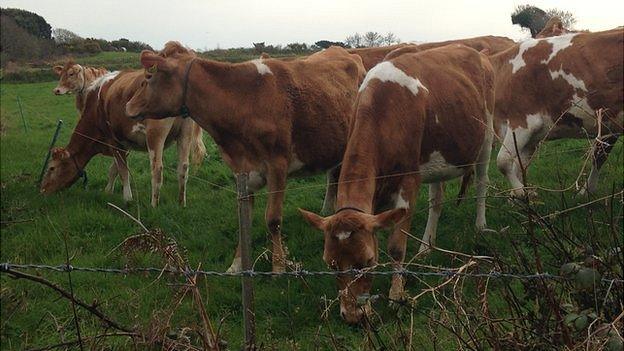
(287, 311)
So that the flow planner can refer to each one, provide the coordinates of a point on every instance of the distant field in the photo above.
(287, 310)
(111, 60)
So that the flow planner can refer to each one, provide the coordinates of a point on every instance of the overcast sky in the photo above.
(235, 23)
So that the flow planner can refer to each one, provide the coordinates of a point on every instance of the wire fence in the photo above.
(447, 273)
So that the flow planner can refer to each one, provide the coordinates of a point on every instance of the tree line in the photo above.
(26, 36)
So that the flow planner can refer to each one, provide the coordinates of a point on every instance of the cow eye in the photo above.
(51, 168)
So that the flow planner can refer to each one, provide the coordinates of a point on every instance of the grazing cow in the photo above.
(550, 88)
(487, 44)
(554, 27)
(269, 117)
(372, 56)
(421, 117)
(74, 78)
(104, 129)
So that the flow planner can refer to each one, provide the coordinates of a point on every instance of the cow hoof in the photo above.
(424, 250)
(523, 194)
(109, 189)
(236, 266)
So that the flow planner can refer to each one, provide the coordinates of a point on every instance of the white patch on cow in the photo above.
(518, 61)
(437, 169)
(436, 119)
(140, 128)
(295, 164)
(256, 181)
(387, 72)
(570, 78)
(100, 81)
(343, 235)
(559, 43)
(399, 200)
(262, 68)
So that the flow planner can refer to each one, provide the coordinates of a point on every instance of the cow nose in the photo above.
(56, 91)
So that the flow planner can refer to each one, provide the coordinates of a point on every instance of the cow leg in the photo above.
(276, 183)
(156, 135)
(481, 175)
(112, 176)
(124, 174)
(397, 242)
(600, 152)
(436, 194)
(184, 151)
(256, 182)
(331, 191)
(507, 160)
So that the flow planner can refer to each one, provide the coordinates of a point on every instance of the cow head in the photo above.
(350, 243)
(160, 93)
(71, 79)
(62, 172)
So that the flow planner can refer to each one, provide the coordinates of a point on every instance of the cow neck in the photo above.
(87, 141)
(209, 81)
(357, 183)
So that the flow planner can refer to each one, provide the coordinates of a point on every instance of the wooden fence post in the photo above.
(47, 159)
(244, 222)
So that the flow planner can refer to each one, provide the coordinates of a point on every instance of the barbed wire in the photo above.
(449, 272)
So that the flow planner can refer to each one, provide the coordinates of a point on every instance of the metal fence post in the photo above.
(19, 104)
(47, 159)
(244, 222)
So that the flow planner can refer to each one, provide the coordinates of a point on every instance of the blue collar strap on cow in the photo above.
(349, 208)
(184, 110)
(81, 172)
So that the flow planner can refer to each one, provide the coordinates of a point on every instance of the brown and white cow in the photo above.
(372, 56)
(74, 78)
(420, 118)
(269, 117)
(104, 129)
(550, 88)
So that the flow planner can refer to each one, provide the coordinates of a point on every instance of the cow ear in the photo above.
(389, 218)
(60, 153)
(58, 70)
(315, 220)
(153, 62)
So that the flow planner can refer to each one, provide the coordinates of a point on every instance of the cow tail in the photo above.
(198, 149)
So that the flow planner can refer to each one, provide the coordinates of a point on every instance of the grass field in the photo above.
(287, 310)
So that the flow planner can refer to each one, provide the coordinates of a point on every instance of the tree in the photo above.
(534, 19)
(390, 39)
(31, 22)
(354, 41)
(567, 18)
(372, 39)
(530, 17)
(297, 47)
(327, 43)
(64, 36)
(15, 42)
